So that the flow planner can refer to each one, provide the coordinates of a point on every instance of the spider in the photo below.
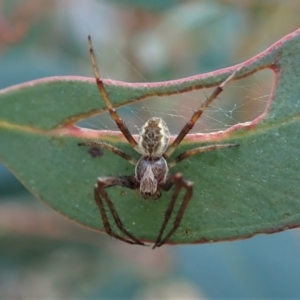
(152, 169)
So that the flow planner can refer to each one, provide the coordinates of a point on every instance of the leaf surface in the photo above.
(237, 192)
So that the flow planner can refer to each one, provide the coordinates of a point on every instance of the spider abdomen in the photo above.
(151, 173)
(153, 137)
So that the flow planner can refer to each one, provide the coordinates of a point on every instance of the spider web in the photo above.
(241, 101)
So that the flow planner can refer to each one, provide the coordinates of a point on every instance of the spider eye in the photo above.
(154, 196)
(154, 137)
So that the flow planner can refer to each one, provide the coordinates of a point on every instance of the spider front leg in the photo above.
(100, 194)
(179, 182)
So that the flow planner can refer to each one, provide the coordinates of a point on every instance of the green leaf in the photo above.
(237, 192)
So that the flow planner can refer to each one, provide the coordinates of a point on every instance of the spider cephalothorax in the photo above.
(152, 169)
(151, 174)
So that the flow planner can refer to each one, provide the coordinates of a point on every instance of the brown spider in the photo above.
(152, 169)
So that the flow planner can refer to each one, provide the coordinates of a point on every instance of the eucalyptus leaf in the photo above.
(237, 192)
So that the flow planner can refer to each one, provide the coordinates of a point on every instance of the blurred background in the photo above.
(44, 255)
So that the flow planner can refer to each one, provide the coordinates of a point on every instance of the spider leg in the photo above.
(120, 123)
(197, 114)
(179, 183)
(110, 148)
(194, 151)
(100, 193)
